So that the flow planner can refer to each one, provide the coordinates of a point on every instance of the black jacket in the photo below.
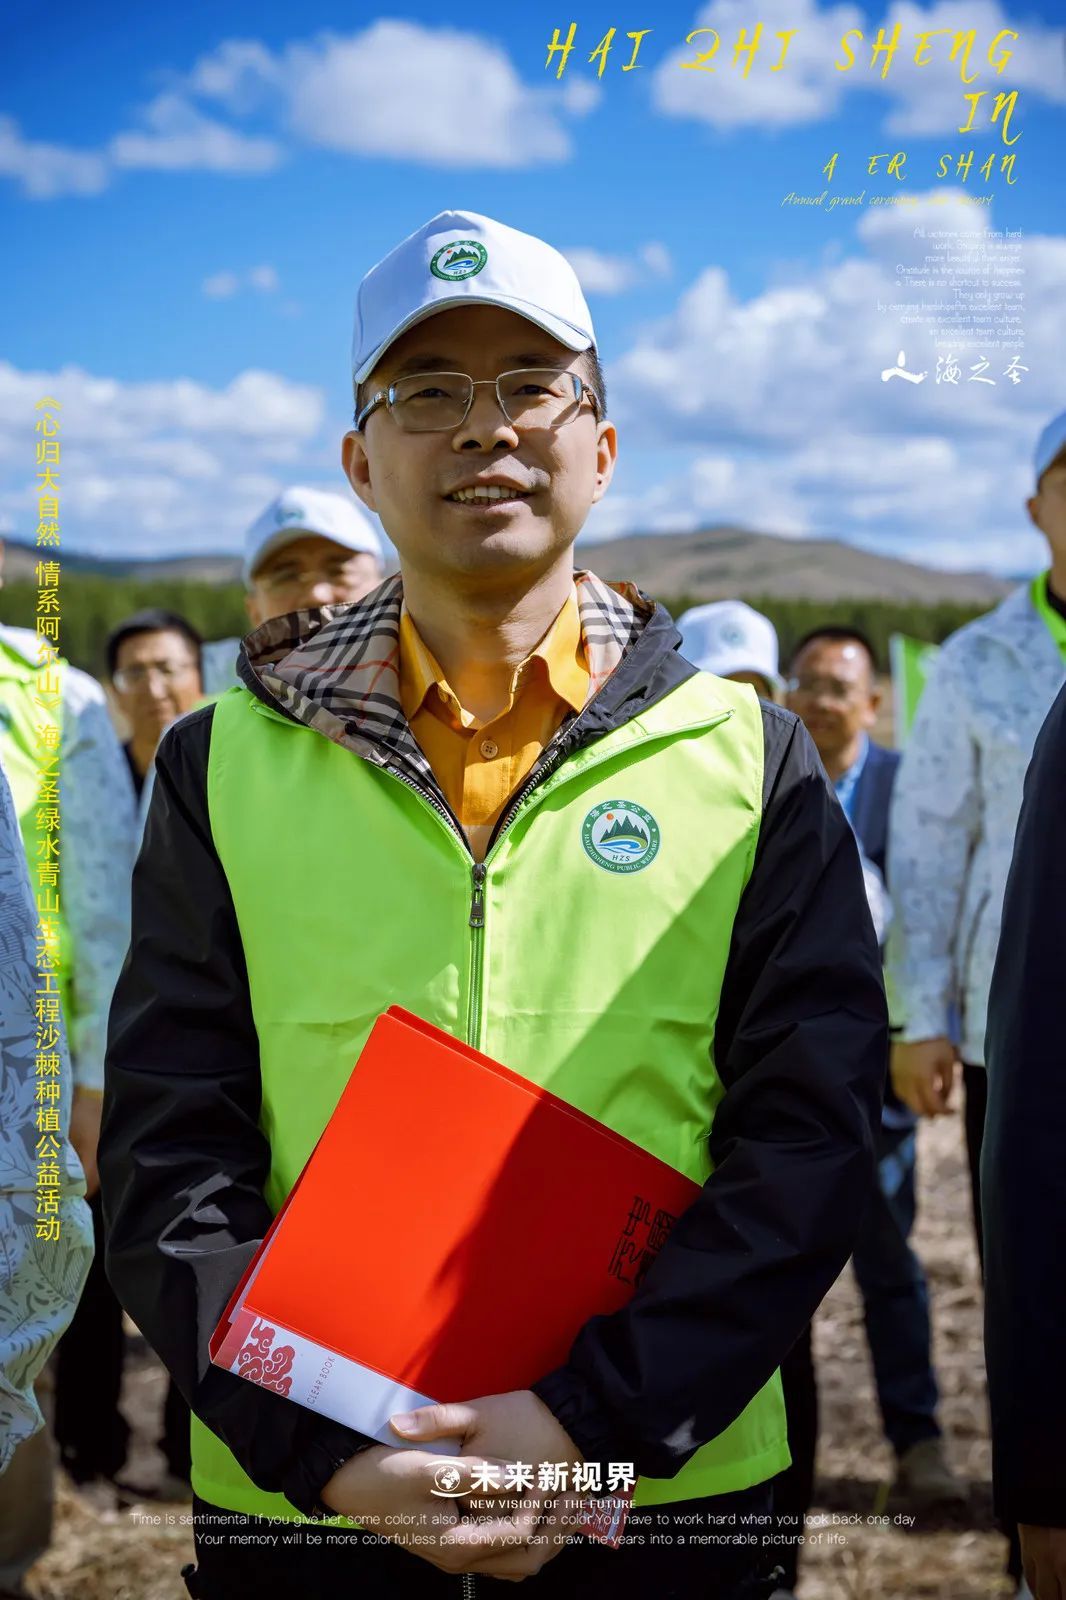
(1023, 1157)
(801, 1045)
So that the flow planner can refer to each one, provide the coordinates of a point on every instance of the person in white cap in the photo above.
(735, 641)
(954, 814)
(308, 548)
(493, 792)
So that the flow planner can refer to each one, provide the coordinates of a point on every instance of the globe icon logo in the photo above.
(447, 1479)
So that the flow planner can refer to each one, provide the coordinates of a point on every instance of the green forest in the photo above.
(92, 606)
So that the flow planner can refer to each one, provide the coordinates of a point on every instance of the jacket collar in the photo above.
(1016, 623)
(336, 668)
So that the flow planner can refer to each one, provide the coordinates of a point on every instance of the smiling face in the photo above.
(486, 504)
(834, 694)
(310, 571)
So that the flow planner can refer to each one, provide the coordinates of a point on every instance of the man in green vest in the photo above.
(417, 799)
(77, 830)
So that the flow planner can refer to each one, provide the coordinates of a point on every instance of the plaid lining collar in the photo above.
(559, 658)
(336, 668)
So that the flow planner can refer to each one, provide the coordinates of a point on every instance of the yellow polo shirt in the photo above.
(480, 765)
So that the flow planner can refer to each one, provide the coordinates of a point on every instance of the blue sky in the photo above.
(194, 197)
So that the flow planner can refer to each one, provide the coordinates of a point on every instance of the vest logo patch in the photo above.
(620, 836)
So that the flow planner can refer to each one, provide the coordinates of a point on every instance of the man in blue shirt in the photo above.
(832, 687)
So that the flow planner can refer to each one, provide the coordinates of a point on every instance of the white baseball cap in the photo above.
(729, 636)
(299, 511)
(459, 258)
(1051, 443)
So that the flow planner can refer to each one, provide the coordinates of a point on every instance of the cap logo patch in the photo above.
(289, 514)
(460, 259)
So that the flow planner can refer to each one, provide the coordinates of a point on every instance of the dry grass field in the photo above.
(104, 1552)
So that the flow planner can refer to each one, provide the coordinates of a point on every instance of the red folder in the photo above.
(453, 1229)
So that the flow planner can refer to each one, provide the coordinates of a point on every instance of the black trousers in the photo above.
(794, 1488)
(235, 1563)
(975, 1106)
(90, 1430)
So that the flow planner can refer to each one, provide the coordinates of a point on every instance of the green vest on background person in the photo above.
(22, 721)
(620, 1024)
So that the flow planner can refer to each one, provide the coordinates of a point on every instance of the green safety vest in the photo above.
(1053, 620)
(20, 719)
(352, 893)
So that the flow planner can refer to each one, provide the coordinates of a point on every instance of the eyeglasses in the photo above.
(127, 678)
(439, 402)
(825, 688)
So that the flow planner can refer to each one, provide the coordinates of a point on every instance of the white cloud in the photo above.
(581, 95)
(162, 467)
(237, 73)
(47, 171)
(809, 87)
(437, 96)
(265, 279)
(224, 285)
(178, 137)
(930, 99)
(805, 90)
(221, 285)
(772, 413)
(602, 273)
(656, 257)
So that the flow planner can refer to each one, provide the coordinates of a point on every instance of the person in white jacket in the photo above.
(954, 815)
(44, 1259)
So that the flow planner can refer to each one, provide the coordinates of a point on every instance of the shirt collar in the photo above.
(846, 784)
(337, 668)
(562, 652)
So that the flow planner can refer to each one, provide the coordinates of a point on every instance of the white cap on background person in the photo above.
(1051, 444)
(726, 637)
(459, 258)
(299, 511)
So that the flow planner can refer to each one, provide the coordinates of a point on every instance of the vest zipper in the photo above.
(469, 1583)
(477, 952)
(547, 765)
(431, 800)
(549, 760)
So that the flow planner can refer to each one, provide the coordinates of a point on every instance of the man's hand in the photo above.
(506, 1427)
(514, 1428)
(390, 1493)
(923, 1074)
(86, 1108)
(1044, 1560)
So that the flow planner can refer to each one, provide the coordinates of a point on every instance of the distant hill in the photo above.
(20, 563)
(712, 564)
(719, 562)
